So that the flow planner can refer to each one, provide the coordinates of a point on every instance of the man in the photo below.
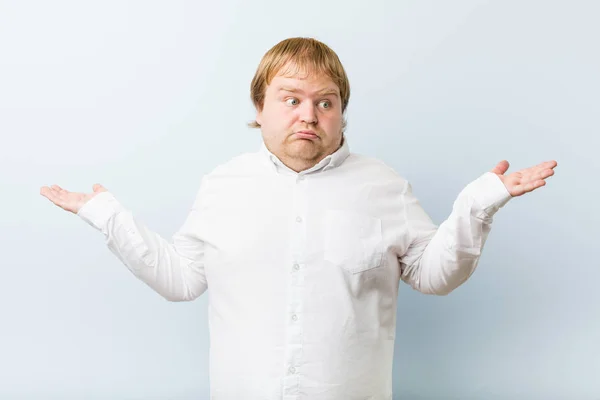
(303, 244)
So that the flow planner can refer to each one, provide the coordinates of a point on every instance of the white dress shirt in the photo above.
(303, 268)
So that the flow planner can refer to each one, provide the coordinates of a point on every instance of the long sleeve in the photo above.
(439, 259)
(173, 269)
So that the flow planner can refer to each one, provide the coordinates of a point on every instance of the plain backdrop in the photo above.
(145, 97)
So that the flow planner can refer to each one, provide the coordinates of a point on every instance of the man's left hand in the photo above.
(525, 180)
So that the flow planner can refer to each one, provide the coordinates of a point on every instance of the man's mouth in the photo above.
(306, 135)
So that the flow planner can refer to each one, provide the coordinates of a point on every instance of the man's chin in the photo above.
(302, 151)
(304, 145)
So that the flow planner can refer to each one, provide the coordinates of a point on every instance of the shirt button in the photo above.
(292, 370)
(294, 317)
(298, 219)
(300, 177)
(296, 267)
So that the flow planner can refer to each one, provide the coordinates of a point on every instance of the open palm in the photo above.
(69, 201)
(525, 180)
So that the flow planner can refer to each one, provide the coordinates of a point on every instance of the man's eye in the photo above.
(292, 101)
(326, 104)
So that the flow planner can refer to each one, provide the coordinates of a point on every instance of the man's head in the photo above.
(300, 91)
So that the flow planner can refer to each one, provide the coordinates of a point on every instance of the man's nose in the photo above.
(308, 113)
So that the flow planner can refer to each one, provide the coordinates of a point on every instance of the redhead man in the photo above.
(303, 244)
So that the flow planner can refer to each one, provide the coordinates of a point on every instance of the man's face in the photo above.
(301, 120)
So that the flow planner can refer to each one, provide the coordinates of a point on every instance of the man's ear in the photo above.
(259, 117)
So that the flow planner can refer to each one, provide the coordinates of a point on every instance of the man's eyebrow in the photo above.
(328, 91)
(322, 92)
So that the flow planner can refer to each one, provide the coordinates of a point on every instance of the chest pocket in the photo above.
(352, 241)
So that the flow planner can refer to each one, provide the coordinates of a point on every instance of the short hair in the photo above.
(299, 54)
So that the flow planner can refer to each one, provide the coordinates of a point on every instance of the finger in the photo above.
(48, 192)
(62, 193)
(542, 166)
(99, 188)
(535, 184)
(58, 193)
(501, 167)
(44, 190)
(51, 194)
(529, 186)
(548, 165)
(534, 176)
(546, 173)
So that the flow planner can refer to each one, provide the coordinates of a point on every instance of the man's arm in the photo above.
(175, 269)
(439, 260)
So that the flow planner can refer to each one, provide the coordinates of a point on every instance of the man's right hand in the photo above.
(69, 201)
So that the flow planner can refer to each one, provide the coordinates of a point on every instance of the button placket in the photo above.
(294, 334)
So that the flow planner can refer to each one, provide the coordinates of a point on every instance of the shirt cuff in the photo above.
(489, 193)
(99, 209)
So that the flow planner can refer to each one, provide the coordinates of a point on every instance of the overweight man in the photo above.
(301, 245)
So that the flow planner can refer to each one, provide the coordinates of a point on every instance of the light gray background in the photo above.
(146, 97)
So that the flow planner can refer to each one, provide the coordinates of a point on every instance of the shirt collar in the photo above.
(331, 161)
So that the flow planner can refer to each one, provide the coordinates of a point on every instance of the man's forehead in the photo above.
(321, 85)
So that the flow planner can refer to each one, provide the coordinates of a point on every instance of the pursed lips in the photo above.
(307, 134)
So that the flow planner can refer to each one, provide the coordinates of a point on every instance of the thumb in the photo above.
(98, 188)
(501, 167)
